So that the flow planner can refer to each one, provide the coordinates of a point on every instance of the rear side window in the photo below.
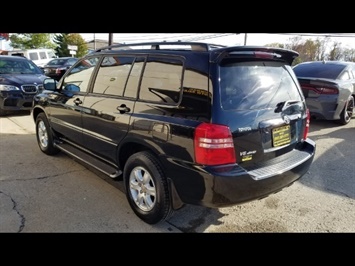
(256, 85)
(161, 81)
(113, 74)
(33, 56)
(43, 55)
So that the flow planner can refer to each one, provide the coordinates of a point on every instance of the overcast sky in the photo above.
(347, 39)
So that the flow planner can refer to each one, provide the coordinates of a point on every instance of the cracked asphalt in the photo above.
(40, 193)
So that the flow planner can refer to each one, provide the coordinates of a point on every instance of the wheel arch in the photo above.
(131, 146)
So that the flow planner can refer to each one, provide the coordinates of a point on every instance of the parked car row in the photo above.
(21, 79)
(56, 68)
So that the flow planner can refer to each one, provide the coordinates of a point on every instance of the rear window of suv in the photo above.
(256, 85)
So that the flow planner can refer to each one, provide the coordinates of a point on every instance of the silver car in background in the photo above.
(329, 89)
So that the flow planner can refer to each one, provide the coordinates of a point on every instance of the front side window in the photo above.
(80, 75)
(161, 80)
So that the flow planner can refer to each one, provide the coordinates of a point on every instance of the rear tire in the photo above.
(347, 112)
(147, 188)
(45, 138)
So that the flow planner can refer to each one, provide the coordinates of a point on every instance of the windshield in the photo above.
(16, 66)
(256, 85)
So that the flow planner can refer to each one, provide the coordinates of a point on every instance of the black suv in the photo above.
(181, 122)
(20, 80)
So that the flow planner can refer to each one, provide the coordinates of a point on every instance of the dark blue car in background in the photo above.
(20, 80)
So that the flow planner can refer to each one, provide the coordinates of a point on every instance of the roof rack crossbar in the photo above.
(193, 46)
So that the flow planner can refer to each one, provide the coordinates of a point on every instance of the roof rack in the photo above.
(191, 46)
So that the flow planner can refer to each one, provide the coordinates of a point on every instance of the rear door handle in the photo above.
(77, 101)
(123, 108)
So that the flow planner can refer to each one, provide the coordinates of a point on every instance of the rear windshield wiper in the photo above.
(282, 106)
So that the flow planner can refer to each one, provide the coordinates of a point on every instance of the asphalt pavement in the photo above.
(40, 193)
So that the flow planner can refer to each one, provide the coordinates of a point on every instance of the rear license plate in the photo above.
(281, 136)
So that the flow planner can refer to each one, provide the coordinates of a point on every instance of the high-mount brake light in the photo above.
(264, 55)
(213, 145)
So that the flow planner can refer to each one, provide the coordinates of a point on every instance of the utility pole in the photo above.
(245, 39)
(110, 38)
(94, 42)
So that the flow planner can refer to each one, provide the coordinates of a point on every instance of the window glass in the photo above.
(256, 85)
(15, 66)
(352, 71)
(43, 55)
(81, 73)
(112, 75)
(51, 54)
(134, 76)
(196, 95)
(161, 80)
(33, 56)
(345, 76)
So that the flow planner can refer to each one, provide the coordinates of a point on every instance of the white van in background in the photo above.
(39, 56)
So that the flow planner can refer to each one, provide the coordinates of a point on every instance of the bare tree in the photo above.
(336, 52)
(349, 55)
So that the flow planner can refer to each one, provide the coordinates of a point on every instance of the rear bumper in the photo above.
(323, 107)
(230, 185)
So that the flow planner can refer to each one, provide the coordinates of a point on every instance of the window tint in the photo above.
(256, 85)
(345, 76)
(81, 73)
(71, 61)
(134, 77)
(43, 55)
(196, 95)
(33, 56)
(161, 80)
(112, 75)
(318, 70)
(51, 54)
(13, 66)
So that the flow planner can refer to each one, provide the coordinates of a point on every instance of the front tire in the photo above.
(147, 188)
(45, 138)
(2, 112)
(347, 112)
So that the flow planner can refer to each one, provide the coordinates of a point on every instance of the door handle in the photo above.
(77, 101)
(123, 108)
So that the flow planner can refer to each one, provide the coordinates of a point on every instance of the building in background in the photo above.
(97, 44)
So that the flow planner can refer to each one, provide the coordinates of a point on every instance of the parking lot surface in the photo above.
(40, 193)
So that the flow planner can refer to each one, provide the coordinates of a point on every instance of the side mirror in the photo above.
(71, 89)
(50, 84)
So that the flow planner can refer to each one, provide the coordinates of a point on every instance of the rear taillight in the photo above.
(306, 128)
(213, 145)
(60, 69)
(320, 90)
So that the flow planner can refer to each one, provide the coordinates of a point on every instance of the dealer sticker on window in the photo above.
(281, 136)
